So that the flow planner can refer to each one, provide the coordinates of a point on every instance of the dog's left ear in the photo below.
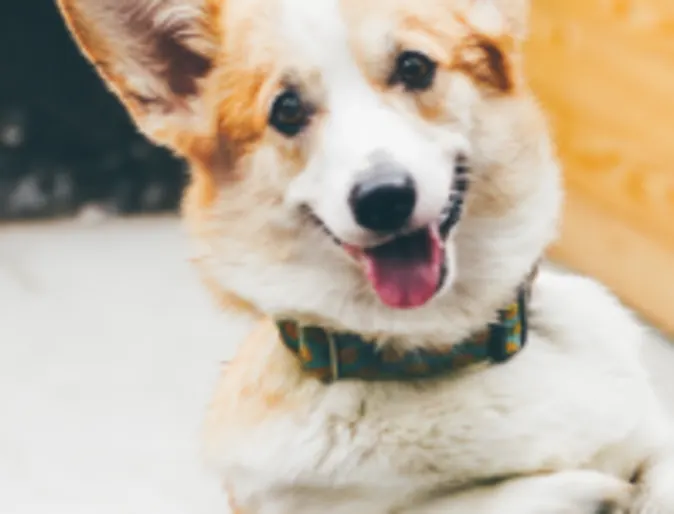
(500, 17)
(154, 54)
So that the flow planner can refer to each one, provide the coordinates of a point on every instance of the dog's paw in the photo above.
(610, 507)
(573, 492)
(595, 493)
(569, 492)
(655, 487)
(648, 501)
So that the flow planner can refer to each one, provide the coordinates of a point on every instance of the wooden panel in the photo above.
(604, 72)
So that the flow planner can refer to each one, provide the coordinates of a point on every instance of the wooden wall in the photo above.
(604, 71)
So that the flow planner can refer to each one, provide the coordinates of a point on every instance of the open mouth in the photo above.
(407, 271)
(410, 268)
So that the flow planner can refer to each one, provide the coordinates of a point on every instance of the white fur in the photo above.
(390, 446)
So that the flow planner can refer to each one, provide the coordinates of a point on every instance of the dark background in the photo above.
(65, 142)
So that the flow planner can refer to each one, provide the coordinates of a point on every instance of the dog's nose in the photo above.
(384, 200)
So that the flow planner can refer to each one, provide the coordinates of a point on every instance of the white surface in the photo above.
(109, 348)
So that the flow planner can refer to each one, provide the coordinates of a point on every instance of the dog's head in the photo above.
(376, 165)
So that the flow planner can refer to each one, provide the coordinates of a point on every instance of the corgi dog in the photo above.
(373, 181)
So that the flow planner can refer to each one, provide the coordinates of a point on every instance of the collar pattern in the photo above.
(332, 356)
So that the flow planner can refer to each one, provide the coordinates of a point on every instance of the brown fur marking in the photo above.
(485, 61)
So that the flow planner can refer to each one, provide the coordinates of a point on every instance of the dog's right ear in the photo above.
(154, 54)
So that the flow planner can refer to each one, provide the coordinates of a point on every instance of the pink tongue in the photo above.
(406, 272)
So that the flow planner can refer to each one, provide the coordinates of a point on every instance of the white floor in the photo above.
(108, 351)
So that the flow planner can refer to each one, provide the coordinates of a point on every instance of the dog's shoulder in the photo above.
(580, 315)
(261, 383)
(579, 318)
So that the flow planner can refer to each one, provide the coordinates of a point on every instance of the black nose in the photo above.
(384, 200)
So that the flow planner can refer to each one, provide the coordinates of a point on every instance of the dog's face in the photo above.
(365, 163)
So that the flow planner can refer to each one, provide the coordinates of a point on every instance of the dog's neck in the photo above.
(332, 355)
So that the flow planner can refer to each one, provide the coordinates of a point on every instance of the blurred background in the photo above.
(65, 143)
(108, 345)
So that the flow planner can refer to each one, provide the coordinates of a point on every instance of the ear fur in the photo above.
(152, 53)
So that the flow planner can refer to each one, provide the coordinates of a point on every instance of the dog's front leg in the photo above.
(569, 492)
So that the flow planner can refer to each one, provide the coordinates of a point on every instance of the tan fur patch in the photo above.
(228, 301)
(262, 382)
(243, 83)
(485, 60)
(241, 112)
(233, 506)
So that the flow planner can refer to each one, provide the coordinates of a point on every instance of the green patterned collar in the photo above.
(332, 356)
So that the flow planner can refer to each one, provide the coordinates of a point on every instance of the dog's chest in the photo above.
(388, 441)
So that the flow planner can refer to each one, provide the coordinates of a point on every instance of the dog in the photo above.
(375, 183)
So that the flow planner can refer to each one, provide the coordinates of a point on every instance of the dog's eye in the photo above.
(289, 114)
(414, 70)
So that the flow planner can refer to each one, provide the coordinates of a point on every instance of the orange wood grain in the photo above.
(604, 72)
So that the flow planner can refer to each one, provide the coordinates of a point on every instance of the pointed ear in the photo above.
(154, 54)
(501, 17)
